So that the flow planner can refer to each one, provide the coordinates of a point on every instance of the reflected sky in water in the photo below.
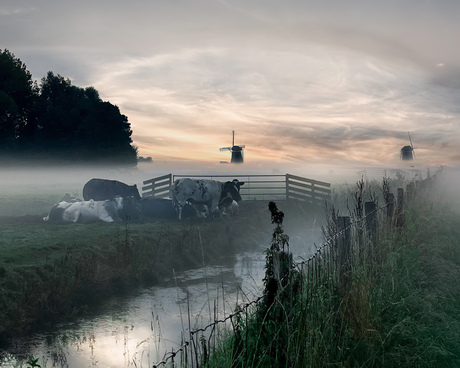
(139, 328)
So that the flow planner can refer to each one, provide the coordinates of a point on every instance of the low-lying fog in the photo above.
(59, 180)
(76, 175)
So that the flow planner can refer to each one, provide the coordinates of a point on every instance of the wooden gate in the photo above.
(308, 190)
(256, 187)
(157, 187)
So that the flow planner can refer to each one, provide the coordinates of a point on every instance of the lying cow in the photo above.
(203, 192)
(70, 198)
(86, 211)
(103, 189)
(131, 210)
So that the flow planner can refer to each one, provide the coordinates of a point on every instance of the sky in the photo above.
(328, 82)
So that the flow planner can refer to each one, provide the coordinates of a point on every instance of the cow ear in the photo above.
(241, 183)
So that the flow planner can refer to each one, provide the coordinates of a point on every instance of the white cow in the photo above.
(86, 211)
(203, 192)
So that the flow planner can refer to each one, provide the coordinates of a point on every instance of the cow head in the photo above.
(232, 189)
(135, 192)
(238, 184)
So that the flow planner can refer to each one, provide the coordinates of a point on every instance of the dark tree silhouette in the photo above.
(18, 94)
(58, 120)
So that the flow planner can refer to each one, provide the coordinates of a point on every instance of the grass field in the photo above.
(45, 267)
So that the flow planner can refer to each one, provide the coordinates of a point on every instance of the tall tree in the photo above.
(18, 94)
(58, 120)
(76, 121)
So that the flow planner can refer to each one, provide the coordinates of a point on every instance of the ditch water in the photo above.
(138, 328)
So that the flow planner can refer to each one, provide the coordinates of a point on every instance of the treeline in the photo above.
(58, 121)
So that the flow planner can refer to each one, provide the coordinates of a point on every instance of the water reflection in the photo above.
(136, 330)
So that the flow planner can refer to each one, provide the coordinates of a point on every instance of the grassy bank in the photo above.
(398, 308)
(49, 270)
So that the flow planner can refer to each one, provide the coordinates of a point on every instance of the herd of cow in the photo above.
(114, 201)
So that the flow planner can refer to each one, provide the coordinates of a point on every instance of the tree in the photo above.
(76, 121)
(58, 120)
(18, 95)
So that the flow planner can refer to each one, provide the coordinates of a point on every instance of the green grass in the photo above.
(45, 267)
(401, 309)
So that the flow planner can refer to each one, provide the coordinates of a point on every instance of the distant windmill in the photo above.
(237, 151)
(408, 152)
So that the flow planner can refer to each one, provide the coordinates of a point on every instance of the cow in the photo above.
(229, 207)
(103, 189)
(163, 208)
(131, 210)
(203, 192)
(158, 208)
(86, 211)
(70, 198)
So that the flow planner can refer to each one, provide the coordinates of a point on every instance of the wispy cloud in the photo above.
(301, 104)
(4, 11)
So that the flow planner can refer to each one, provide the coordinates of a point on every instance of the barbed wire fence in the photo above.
(349, 241)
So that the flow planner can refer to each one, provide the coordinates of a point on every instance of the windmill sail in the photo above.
(410, 140)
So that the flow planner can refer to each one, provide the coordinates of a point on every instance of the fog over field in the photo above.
(56, 181)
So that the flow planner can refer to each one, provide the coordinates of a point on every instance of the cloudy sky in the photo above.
(328, 81)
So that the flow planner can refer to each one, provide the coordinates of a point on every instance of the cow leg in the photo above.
(213, 208)
(179, 208)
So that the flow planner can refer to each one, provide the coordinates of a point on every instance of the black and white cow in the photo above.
(203, 192)
(70, 198)
(103, 189)
(163, 208)
(229, 207)
(86, 211)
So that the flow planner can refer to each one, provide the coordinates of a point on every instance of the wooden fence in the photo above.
(256, 187)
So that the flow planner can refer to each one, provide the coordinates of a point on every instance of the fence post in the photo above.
(371, 218)
(313, 193)
(344, 246)
(287, 187)
(410, 189)
(400, 218)
(370, 211)
(390, 206)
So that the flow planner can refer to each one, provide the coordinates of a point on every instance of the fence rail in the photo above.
(157, 187)
(256, 187)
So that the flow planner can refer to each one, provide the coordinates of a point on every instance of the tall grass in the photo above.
(399, 305)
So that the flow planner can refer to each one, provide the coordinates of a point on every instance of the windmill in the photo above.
(408, 152)
(237, 151)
